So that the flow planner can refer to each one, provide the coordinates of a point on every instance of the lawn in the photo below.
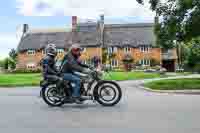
(130, 75)
(175, 84)
(12, 80)
(33, 79)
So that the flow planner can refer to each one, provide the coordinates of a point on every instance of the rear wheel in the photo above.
(52, 96)
(108, 93)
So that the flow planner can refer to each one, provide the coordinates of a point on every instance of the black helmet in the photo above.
(51, 50)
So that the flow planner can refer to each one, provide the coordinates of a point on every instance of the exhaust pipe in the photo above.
(87, 97)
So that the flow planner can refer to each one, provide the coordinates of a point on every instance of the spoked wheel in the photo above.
(52, 97)
(108, 93)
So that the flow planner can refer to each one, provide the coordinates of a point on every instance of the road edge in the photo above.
(189, 92)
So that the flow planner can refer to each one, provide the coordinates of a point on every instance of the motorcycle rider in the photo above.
(71, 64)
(50, 73)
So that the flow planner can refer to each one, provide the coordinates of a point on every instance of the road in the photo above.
(22, 111)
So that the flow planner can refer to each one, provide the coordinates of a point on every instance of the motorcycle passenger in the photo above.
(71, 64)
(50, 73)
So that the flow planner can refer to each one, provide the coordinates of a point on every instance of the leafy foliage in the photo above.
(194, 53)
(180, 20)
(13, 54)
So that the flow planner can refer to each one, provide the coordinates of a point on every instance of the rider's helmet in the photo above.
(76, 50)
(51, 50)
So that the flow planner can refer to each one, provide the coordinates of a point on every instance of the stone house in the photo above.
(135, 40)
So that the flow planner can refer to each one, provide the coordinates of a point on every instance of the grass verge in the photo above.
(175, 84)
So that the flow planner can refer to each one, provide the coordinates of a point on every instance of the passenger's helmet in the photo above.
(51, 50)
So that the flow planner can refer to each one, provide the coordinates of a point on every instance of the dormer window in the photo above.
(31, 52)
(127, 49)
(112, 50)
(144, 48)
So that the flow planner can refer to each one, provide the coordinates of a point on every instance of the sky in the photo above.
(57, 13)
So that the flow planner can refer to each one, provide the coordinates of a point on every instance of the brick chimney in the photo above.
(25, 28)
(102, 29)
(74, 23)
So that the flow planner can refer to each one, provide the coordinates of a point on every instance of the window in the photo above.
(127, 49)
(60, 51)
(84, 62)
(112, 50)
(114, 63)
(31, 52)
(145, 62)
(144, 48)
(84, 50)
(43, 51)
(30, 65)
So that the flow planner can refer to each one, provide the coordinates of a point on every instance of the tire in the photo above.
(107, 84)
(47, 100)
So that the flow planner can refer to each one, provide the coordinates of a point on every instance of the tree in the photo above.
(193, 59)
(13, 54)
(180, 23)
(180, 20)
(13, 59)
(107, 57)
(6, 63)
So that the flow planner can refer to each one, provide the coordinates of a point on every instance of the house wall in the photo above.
(154, 53)
(91, 52)
(137, 55)
(24, 59)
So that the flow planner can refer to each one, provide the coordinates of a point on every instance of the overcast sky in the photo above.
(57, 13)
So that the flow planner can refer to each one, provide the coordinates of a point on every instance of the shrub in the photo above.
(27, 71)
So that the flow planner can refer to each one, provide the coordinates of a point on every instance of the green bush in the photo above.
(197, 68)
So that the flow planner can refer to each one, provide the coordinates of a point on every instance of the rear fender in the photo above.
(43, 83)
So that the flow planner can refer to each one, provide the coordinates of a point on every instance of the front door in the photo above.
(169, 65)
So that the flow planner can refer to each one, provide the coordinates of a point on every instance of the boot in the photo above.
(78, 100)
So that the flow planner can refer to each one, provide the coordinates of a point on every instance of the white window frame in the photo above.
(31, 52)
(127, 49)
(60, 51)
(84, 62)
(145, 62)
(112, 50)
(144, 48)
(84, 50)
(31, 65)
(115, 49)
(43, 51)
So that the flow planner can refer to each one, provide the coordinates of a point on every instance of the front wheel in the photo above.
(107, 93)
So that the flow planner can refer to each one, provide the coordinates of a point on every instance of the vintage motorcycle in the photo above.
(106, 93)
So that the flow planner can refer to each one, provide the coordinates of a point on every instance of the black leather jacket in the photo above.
(71, 64)
(48, 65)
